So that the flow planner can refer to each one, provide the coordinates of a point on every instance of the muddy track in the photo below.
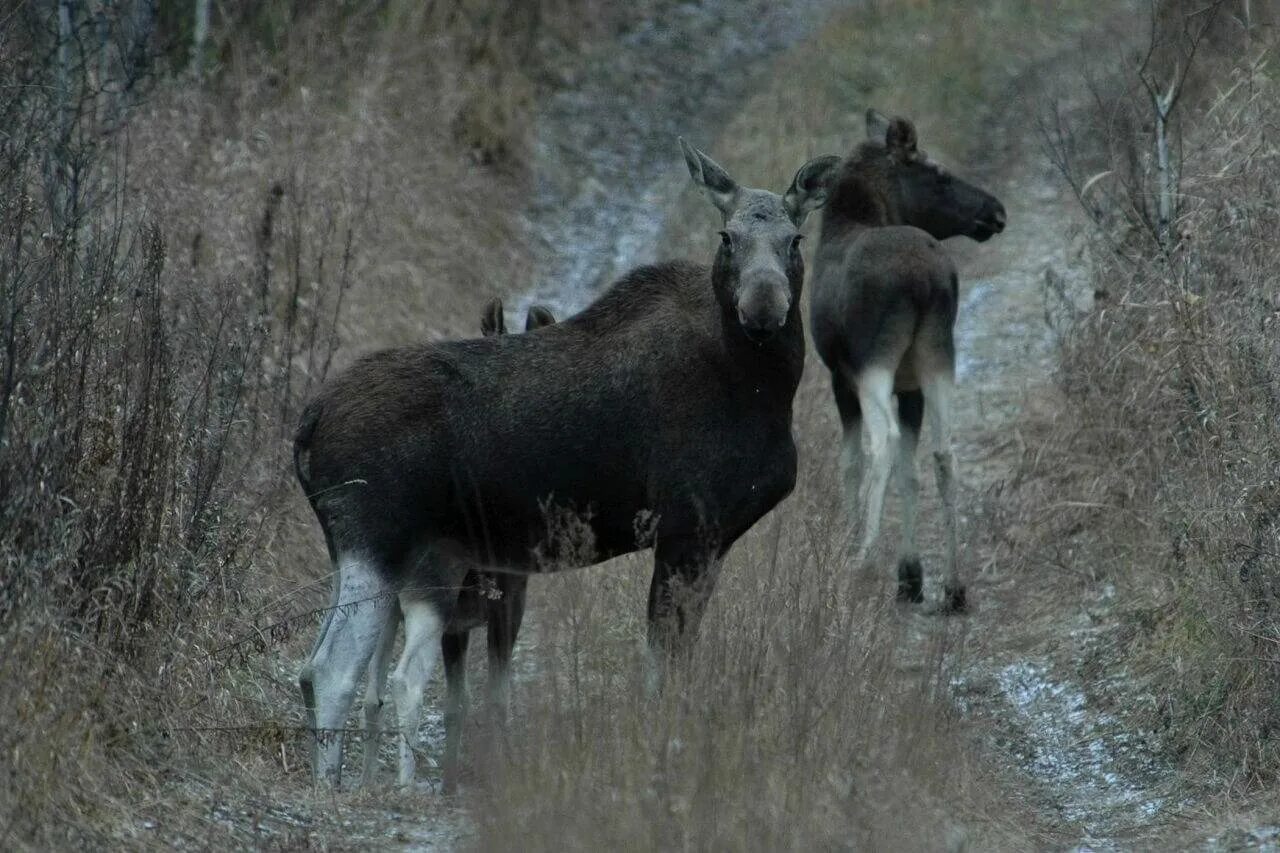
(1093, 781)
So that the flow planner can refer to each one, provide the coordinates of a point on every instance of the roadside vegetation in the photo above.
(1160, 472)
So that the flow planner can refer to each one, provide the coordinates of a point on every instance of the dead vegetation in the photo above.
(1161, 470)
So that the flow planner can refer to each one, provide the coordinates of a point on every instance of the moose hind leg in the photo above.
(880, 439)
(453, 647)
(939, 390)
(910, 572)
(374, 690)
(349, 637)
(851, 451)
(423, 628)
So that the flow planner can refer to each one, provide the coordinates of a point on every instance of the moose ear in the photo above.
(901, 138)
(810, 187)
(538, 316)
(877, 126)
(714, 181)
(491, 322)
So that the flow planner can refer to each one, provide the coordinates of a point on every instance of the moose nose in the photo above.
(990, 222)
(763, 302)
(758, 329)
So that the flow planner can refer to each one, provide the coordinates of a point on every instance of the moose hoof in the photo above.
(953, 599)
(911, 581)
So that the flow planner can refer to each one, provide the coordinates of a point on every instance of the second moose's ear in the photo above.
(538, 316)
(810, 187)
(491, 321)
(712, 178)
(898, 135)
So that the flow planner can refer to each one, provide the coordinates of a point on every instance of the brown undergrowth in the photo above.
(1160, 471)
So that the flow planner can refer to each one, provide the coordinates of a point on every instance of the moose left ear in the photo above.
(900, 138)
(491, 322)
(810, 187)
(721, 189)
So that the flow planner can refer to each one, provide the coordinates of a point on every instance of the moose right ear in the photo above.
(491, 321)
(714, 180)
(877, 126)
(538, 316)
(810, 187)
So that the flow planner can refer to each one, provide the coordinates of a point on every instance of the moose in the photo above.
(658, 417)
(492, 601)
(883, 314)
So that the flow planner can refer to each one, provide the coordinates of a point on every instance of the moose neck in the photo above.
(858, 201)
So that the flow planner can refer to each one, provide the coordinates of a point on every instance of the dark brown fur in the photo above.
(885, 296)
(659, 416)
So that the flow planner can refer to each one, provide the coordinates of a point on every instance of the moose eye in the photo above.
(726, 240)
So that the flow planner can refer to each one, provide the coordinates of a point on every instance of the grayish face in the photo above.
(760, 252)
(758, 270)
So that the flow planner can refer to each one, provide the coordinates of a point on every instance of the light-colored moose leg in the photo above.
(374, 691)
(880, 435)
(348, 638)
(423, 629)
(851, 449)
(939, 390)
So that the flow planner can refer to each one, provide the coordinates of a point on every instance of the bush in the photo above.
(1167, 453)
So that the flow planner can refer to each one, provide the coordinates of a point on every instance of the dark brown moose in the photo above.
(883, 316)
(660, 416)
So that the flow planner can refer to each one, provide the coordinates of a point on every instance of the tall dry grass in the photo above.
(1161, 472)
(807, 716)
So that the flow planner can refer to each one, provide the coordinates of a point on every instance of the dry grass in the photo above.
(807, 717)
(1161, 472)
